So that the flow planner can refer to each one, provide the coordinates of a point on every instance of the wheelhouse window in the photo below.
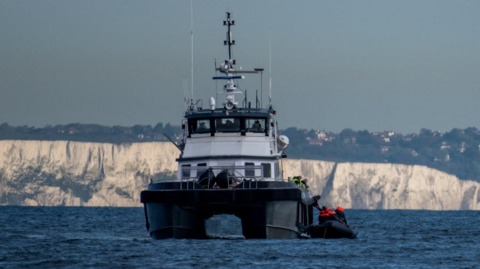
(267, 169)
(201, 126)
(227, 125)
(255, 125)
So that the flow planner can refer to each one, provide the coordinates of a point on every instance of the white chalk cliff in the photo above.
(385, 186)
(54, 173)
(66, 173)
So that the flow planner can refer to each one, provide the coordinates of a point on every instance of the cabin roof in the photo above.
(222, 113)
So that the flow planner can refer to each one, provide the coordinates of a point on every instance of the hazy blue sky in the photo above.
(374, 65)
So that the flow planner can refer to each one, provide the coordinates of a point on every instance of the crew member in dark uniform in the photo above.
(341, 214)
(303, 184)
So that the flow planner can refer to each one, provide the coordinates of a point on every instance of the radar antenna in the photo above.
(229, 40)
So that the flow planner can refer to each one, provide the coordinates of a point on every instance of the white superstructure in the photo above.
(240, 139)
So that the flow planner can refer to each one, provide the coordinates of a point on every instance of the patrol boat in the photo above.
(229, 164)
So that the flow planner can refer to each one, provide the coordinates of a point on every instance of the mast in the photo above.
(270, 69)
(191, 44)
(230, 74)
(230, 88)
(229, 40)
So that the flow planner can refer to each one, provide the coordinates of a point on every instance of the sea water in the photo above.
(79, 237)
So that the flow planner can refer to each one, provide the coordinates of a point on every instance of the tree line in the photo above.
(92, 133)
(456, 152)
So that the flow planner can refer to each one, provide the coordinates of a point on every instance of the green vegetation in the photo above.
(456, 152)
(91, 133)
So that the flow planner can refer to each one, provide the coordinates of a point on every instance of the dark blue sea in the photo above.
(81, 237)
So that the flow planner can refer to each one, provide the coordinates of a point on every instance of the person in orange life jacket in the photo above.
(341, 214)
(332, 215)
(326, 214)
(324, 217)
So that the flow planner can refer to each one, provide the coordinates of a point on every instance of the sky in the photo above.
(366, 65)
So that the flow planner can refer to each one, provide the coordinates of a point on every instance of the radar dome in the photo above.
(282, 142)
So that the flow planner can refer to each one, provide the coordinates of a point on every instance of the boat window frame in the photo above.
(193, 126)
(237, 122)
(276, 169)
(263, 125)
(186, 173)
(249, 172)
(267, 173)
(201, 170)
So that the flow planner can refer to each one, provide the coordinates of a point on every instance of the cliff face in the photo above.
(52, 173)
(80, 174)
(386, 186)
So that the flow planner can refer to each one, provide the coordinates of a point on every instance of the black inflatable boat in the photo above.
(329, 229)
(333, 229)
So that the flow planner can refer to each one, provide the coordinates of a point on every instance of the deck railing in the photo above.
(232, 175)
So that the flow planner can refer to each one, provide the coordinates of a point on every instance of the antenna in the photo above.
(185, 91)
(260, 70)
(191, 39)
(216, 82)
(270, 56)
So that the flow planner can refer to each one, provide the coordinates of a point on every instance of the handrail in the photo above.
(235, 174)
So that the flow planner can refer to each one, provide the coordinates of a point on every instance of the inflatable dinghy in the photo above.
(330, 229)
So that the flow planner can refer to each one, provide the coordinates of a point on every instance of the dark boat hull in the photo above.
(333, 229)
(268, 211)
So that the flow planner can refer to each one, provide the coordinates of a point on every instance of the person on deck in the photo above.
(296, 180)
(341, 214)
(303, 184)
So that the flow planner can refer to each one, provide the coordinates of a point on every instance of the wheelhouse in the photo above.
(241, 141)
(245, 123)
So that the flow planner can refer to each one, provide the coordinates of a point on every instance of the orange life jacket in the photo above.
(323, 214)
